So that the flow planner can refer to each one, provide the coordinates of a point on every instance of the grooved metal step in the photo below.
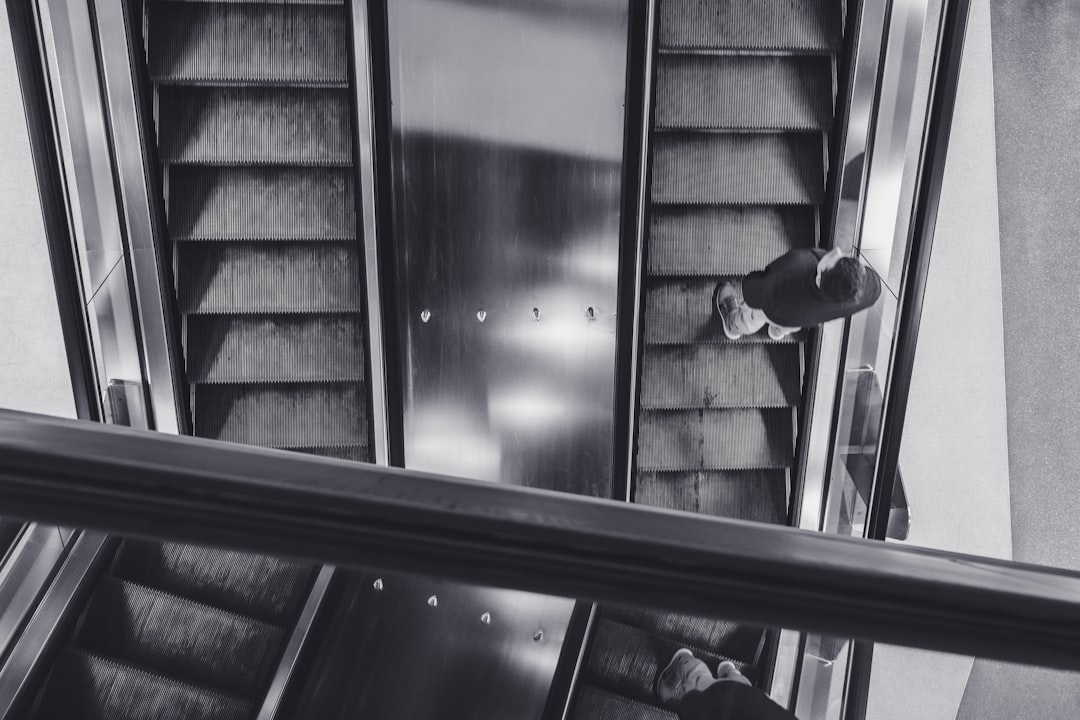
(243, 203)
(725, 439)
(696, 376)
(262, 2)
(274, 348)
(254, 125)
(626, 660)
(172, 636)
(740, 168)
(359, 453)
(85, 687)
(758, 495)
(722, 637)
(241, 42)
(258, 586)
(679, 312)
(282, 415)
(723, 241)
(592, 703)
(278, 277)
(717, 92)
(809, 25)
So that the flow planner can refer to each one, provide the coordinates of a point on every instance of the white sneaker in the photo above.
(726, 304)
(683, 674)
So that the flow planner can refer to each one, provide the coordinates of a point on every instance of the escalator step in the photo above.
(251, 277)
(743, 92)
(254, 125)
(282, 416)
(740, 168)
(263, 2)
(679, 312)
(721, 637)
(172, 636)
(694, 376)
(758, 495)
(353, 452)
(725, 439)
(591, 703)
(274, 348)
(241, 42)
(731, 240)
(625, 659)
(265, 588)
(86, 687)
(751, 24)
(224, 203)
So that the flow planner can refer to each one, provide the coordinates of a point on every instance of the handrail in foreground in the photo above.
(152, 485)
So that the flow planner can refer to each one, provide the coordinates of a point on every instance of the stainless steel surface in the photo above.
(28, 652)
(580, 661)
(24, 576)
(639, 235)
(365, 156)
(117, 350)
(286, 669)
(470, 654)
(508, 125)
(117, 66)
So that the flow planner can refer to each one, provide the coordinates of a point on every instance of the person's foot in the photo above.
(726, 304)
(727, 671)
(777, 332)
(683, 674)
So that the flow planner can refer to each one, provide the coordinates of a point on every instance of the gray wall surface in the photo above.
(1036, 49)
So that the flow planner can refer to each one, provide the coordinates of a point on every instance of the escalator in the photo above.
(744, 99)
(254, 129)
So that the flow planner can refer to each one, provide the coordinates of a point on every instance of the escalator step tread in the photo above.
(696, 376)
(757, 495)
(813, 25)
(274, 348)
(729, 240)
(176, 637)
(258, 586)
(282, 415)
(625, 660)
(592, 703)
(714, 439)
(359, 453)
(263, 2)
(738, 168)
(732, 640)
(743, 92)
(254, 125)
(259, 203)
(679, 312)
(253, 277)
(86, 687)
(244, 42)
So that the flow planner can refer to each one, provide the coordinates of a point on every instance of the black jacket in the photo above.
(788, 293)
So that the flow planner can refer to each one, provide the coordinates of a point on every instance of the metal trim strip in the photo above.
(365, 156)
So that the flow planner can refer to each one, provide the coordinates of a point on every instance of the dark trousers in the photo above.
(730, 701)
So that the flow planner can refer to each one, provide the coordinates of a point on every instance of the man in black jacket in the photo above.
(801, 288)
(687, 686)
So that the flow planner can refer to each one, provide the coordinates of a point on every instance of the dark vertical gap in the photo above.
(389, 275)
(54, 209)
(636, 131)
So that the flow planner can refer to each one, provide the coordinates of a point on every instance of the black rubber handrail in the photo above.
(148, 484)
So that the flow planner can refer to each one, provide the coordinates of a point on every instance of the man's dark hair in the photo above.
(843, 281)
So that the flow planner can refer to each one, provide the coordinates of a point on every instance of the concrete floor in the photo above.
(33, 366)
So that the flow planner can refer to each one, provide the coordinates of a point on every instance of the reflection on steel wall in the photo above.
(508, 123)
(508, 139)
